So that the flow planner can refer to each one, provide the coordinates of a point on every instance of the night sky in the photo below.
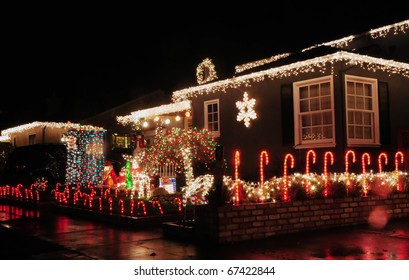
(68, 63)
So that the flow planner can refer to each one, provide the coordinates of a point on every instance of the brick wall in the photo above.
(229, 223)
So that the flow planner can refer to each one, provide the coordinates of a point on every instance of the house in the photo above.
(121, 137)
(83, 151)
(347, 94)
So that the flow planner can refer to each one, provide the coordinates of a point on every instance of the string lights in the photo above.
(205, 71)
(236, 176)
(366, 160)
(331, 156)
(381, 156)
(285, 175)
(85, 156)
(318, 64)
(246, 66)
(154, 112)
(246, 110)
(68, 125)
(263, 159)
(344, 42)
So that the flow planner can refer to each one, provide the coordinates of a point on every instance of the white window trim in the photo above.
(307, 144)
(375, 142)
(206, 124)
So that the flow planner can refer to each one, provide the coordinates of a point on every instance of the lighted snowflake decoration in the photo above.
(246, 110)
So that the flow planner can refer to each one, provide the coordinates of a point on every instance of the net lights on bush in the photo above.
(318, 64)
(85, 156)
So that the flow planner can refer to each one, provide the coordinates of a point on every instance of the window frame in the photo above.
(299, 143)
(215, 133)
(375, 140)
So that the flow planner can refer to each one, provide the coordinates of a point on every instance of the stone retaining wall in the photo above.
(228, 224)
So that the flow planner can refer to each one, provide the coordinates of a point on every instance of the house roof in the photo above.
(345, 43)
(155, 111)
(313, 58)
(5, 134)
(309, 65)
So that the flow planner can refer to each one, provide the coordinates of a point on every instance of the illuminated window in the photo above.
(121, 141)
(212, 116)
(362, 116)
(314, 113)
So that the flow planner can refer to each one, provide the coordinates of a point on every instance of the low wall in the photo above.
(228, 224)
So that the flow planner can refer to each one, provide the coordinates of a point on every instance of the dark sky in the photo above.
(67, 63)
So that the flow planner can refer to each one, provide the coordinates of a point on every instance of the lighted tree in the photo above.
(171, 148)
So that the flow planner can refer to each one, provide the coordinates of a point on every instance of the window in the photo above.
(314, 113)
(31, 139)
(362, 116)
(188, 122)
(212, 116)
(121, 141)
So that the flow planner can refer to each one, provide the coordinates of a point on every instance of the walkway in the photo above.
(30, 234)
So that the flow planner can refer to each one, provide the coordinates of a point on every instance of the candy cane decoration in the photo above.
(368, 162)
(156, 202)
(263, 158)
(307, 166)
(397, 156)
(37, 195)
(178, 201)
(67, 191)
(380, 157)
(141, 203)
(110, 203)
(107, 192)
(90, 200)
(132, 206)
(307, 160)
(236, 175)
(75, 198)
(85, 197)
(352, 153)
(349, 152)
(121, 205)
(193, 199)
(285, 179)
(331, 155)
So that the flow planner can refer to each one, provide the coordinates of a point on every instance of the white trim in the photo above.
(298, 141)
(375, 141)
(215, 133)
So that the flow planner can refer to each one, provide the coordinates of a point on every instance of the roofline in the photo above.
(23, 127)
(287, 70)
(155, 111)
(339, 43)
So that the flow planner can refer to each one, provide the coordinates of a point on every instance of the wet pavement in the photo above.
(44, 235)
